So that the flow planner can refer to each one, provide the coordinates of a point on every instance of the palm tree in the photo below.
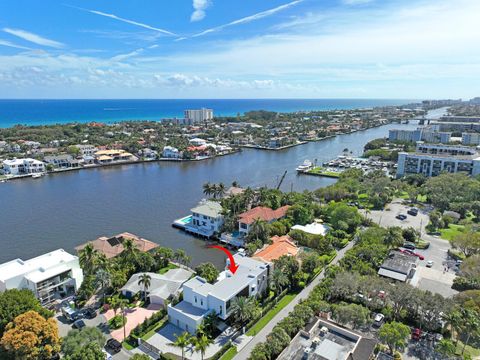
(182, 341)
(123, 306)
(258, 230)
(201, 343)
(220, 190)
(454, 319)
(130, 250)
(244, 309)
(145, 280)
(88, 257)
(279, 281)
(208, 189)
(102, 281)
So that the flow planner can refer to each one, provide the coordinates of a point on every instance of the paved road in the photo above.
(262, 335)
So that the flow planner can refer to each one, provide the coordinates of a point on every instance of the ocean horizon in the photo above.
(32, 112)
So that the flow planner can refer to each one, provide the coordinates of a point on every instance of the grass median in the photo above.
(264, 320)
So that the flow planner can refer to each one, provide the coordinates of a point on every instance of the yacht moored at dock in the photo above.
(307, 165)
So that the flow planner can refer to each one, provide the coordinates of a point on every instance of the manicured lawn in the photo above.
(321, 171)
(473, 352)
(422, 198)
(403, 195)
(452, 231)
(166, 268)
(229, 354)
(149, 334)
(270, 315)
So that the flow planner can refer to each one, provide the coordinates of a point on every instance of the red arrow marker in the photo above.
(232, 267)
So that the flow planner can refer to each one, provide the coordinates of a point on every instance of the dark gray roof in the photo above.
(398, 262)
(364, 349)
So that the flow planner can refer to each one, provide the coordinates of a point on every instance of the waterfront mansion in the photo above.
(201, 298)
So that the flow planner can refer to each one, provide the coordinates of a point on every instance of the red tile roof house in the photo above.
(266, 214)
(280, 246)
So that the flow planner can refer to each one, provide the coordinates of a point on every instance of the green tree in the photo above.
(394, 236)
(16, 302)
(244, 309)
(468, 242)
(88, 258)
(90, 351)
(145, 280)
(446, 348)
(162, 256)
(277, 340)
(300, 214)
(260, 352)
(394, 335)
(310, 263)
(258, 231)
(278, 281)
(76, 340)
(182, 341)
(208, 271)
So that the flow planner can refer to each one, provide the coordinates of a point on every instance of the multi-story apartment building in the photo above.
(194, 116)
(50, 276)
(433, 159)
(201, 298)
(471, 138)
(420, 134)
(23, 166)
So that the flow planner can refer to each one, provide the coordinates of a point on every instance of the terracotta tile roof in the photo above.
(282, 245)
(263, 213)
(112, 246)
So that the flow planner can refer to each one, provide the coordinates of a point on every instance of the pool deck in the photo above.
(182, 222)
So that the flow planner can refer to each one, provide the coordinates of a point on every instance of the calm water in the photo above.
(65, 210)
(40, 112)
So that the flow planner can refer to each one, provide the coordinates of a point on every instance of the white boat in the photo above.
(307, 165)
(36, 176)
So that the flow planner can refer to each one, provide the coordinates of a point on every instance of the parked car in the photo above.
(416, 334)
(378, 320)
(89, 313)
(401, 217)
(71, 314)
(78, 324)
(114, 345)
(409, 246)
(413, 212)
(429, 263)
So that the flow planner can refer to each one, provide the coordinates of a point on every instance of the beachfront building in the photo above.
(113, 156)
(113, 246)
(62, 161)
(246, 219)
(207, 219)
(163, 287)
(201, 298)
(50, 277)
(200, 115)
(23, 166)
(171, 152)
(433, 159)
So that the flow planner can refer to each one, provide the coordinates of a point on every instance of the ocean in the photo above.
(45, 112)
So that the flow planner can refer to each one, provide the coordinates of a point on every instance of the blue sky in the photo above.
(239, 49)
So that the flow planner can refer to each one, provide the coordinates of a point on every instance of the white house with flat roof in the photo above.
(207, 219)
(50, 277)
(201, 298)
(23, 166)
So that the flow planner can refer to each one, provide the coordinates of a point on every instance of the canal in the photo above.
(65, 210)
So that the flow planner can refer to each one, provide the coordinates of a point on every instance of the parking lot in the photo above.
(439, 277)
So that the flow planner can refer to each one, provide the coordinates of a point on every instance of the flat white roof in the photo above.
(35, 267)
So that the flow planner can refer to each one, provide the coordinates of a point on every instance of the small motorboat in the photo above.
(307, 165)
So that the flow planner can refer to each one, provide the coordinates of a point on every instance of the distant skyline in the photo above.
(424, 49)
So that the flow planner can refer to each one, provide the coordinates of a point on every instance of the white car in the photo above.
(429, 263)
(378, 320)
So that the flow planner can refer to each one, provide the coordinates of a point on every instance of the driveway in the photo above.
(134, 317)
(244, 353)
(64, 326)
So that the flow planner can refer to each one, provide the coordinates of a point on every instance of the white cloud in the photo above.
(199, 7)
(356, 2)
(250, 18)
(126, 56)
(12, 45)
(33, 38)
(131, 22)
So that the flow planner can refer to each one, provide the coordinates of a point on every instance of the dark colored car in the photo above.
(409, 246)
(401, 217)
(114, 345)
(79, 324)
(89, 313)
(413, 212)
